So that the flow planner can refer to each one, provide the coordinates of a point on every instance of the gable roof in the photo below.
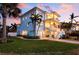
(56, 13)
(35, 8)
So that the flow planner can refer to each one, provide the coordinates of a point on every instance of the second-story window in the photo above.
(25, 17)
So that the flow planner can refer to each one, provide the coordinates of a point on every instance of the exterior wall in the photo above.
(24, 26)
(77, 27)
(40, 30)
(51, 28)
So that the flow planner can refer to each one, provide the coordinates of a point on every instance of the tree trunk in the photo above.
(4, 30)
(71, 23)
(38, 27)
(34, 24)
(4, 15)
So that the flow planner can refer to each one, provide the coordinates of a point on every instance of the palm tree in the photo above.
(68, 26)
(8, 10)
(36, 20)
(72, 19)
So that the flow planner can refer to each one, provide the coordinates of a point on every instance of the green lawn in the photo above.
(19, 46)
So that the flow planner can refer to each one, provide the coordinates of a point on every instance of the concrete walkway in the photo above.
(66, 41)
(52, 39)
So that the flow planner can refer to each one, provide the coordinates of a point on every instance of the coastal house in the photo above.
(49, 23)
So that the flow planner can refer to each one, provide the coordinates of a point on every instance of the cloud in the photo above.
(12, 20)
(65, 8)
(40, 5)
(17, 20)
(22, 5)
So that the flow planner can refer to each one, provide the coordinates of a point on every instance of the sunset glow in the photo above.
(63, 9)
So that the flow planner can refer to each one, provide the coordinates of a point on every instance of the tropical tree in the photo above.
(68, 26)
(36, 20)
(12, 28)
(8, 10)
(72, 18)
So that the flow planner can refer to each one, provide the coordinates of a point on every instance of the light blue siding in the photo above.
(29, 27)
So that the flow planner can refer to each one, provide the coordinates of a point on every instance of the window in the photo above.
(25, 17)
(47, 25)
(24, 32)
(27, 24)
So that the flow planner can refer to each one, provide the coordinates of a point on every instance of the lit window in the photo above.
(24, 32)
(49, 16)
(52, 23)
(47, 25)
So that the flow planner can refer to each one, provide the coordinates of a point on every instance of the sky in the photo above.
(63, 9)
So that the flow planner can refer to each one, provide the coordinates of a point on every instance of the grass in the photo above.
(19, 46)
